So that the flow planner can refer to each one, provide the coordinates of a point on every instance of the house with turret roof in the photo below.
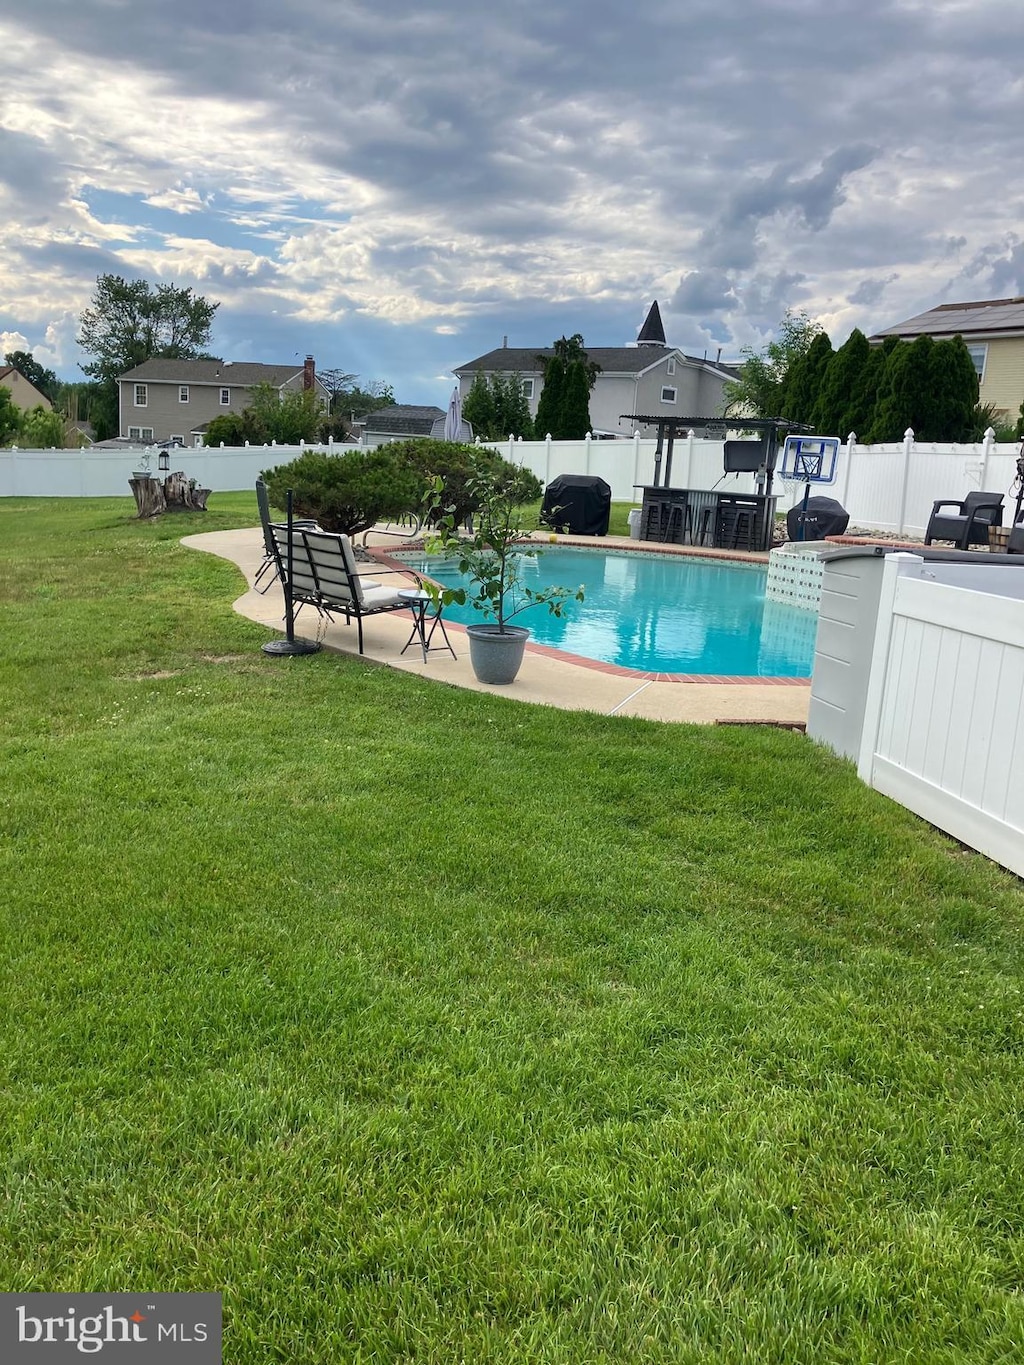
(648, 376)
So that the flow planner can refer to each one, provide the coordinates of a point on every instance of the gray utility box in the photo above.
(851, 588)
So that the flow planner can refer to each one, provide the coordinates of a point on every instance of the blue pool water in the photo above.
(673, 614)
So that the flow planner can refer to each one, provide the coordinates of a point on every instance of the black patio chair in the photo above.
(969, 524)
(271, 562)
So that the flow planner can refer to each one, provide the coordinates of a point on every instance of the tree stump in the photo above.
(149, 496)
(176, 493)
(183, 494)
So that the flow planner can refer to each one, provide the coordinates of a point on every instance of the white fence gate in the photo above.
(944, 719)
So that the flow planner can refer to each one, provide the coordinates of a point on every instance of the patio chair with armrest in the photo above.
(324, 576)
(270, 562)
(969, 524)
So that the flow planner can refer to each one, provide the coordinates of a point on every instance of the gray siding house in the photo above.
(162, 400)
(648, 377)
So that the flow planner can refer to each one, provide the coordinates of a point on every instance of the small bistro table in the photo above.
(418, 603)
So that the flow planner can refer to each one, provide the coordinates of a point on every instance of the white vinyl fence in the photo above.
(883, 487)
(944, 729)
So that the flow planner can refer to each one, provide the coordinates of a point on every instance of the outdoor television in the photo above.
(744, 457)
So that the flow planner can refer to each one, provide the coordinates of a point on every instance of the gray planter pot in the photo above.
(496, 655)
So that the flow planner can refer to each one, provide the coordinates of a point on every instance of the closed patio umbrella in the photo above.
(453, 417)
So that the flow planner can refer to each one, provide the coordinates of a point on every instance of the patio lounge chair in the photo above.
(969, 524)
(1015, 541)
(324, 576)
(270, 564)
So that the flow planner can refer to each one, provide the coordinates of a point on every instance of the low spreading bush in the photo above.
(351, 491)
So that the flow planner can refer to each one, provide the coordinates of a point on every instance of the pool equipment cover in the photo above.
(820, 518)
(577, 504)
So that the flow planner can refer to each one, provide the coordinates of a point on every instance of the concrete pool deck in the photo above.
(548, 677)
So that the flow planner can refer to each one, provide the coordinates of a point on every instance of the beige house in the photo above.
(23, 394)
(175, 400)
(993, 331)
(649, 377)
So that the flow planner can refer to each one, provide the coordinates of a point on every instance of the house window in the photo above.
(182, 393)
(527, 389)
(225, 397)
(668, 394)
(979, 354)
(670, 368)
(141, 395)
(140, 433)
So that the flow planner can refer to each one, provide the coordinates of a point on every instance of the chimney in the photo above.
(309, 373)
(504, 343)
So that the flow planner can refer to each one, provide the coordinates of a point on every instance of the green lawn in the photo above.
(428, 1026)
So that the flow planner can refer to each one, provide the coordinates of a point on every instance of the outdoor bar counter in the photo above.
(704, 516)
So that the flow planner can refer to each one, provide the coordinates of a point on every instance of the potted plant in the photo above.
(491, 552)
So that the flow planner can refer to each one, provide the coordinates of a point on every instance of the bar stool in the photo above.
(708, 518)
(656, 522)
(678, 518)
(737, 518)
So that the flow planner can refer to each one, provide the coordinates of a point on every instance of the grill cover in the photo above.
(823, 517)
(577, 504)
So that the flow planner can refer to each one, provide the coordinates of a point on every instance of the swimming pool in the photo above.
(669, 614)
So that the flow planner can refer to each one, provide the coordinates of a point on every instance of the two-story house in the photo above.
(649, 377)
(993, 331)
(175, 400)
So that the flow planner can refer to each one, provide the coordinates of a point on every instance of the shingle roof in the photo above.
(987, 316)
(403, 418)
(221, 372)
(612, 359)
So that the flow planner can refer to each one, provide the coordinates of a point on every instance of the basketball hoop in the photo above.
(807, 460)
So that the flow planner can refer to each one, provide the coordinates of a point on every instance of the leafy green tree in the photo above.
(287, 416)
(498, 408)
(29, 368)
(478, 408)
(1020, 423)
(835, 411)
(760, 389)
(10, 417)
(802, 384)
(228, 429)
(130, 322)
(41, 428)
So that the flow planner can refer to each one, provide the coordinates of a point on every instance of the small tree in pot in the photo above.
(492, 554)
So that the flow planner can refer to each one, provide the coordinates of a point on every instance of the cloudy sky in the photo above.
(395, 188)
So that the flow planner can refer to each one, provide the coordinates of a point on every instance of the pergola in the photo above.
(671, 427)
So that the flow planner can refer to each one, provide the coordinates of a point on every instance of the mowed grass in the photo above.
(428, 1026)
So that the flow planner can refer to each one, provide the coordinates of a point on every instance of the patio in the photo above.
(548, 678)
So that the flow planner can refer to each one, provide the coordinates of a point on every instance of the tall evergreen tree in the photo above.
(478, 407)
(952, 393)
(574, 418)
(549, 407)
(894, 404)
(802, 381)
(836, 411)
